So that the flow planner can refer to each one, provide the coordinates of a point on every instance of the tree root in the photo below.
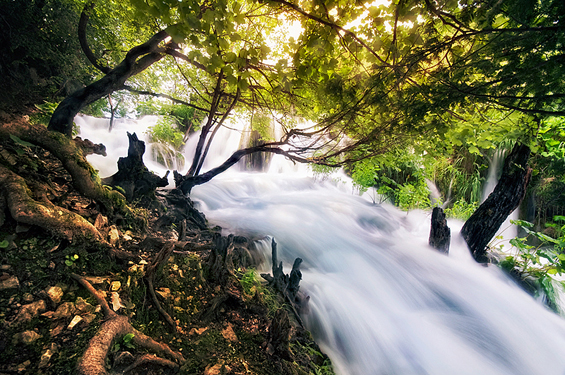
(94, 359)
(57, 220)
(85, 178)
(152, 269)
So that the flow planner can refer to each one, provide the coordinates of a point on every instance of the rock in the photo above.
(10, 283)
(101, 221)
(26, 337)
(23, 366)
(83, 307)
(30, 311)
(164, 292)
(217, 369)
(28, 297)
(5, 267)
(76, 320)
(113, 235)
(229, 334)
(55, 293)
(89, 318)
(65, 310)
(46, 356)
(115, 286)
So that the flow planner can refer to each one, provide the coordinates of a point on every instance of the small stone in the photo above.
(26, 337)
(55, 294)
(83, 307)
(101, 221)
(197, 331)
(52, 265)
(5, 267)
(28, 297)
(30, 311)
(23, 366)
(57, 330)
(113, 235)
(164, 292)
(115, 286)
(10, 283)
(76, 320)
(46, 356)
(89, 318)
(48, 314)
(229, 334)
(65, 310)
(217, 369)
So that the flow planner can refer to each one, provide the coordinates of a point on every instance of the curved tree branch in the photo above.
(82, 23)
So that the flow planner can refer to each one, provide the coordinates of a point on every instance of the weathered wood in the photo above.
(440, 234)
(278, 335)
(506, 197)
(133, 177)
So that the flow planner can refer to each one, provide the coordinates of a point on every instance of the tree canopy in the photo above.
(370, 76)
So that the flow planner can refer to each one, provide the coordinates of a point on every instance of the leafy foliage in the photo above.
(543, 261)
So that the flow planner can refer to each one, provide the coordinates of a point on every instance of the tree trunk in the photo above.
(440, 234)
(506, 197)
(148, 53)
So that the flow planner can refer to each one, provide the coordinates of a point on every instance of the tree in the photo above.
(371, 77)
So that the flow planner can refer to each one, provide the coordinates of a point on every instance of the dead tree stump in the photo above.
(482, 226)
(133, 177)
(440, 234)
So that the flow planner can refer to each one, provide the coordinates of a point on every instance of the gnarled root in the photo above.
(24, 209)
(160, 259)
(94, 358)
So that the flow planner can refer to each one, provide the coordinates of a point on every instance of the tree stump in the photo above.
(133, 177)
(506, 197)
(440, 234)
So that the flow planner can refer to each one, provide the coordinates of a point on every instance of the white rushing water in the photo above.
(382, 301)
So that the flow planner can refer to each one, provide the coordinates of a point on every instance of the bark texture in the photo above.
(57, 220)
(506, 197)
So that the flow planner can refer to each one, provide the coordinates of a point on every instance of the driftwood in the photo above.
(506, 197)
(440, 234)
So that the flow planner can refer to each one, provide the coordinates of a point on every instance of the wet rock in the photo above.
(26, 337)
(83, 307)
(65, 310)
(30, 311)
(55, 293)
(47, 354)
(10, 283)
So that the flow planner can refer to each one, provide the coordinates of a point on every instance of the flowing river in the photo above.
(382, 301)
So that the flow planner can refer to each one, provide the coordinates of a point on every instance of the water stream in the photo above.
(382, 302)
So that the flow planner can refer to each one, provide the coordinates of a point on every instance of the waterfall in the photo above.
(382, 301)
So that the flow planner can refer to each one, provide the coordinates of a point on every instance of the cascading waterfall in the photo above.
(382, 301)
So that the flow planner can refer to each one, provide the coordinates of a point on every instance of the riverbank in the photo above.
(221, 317)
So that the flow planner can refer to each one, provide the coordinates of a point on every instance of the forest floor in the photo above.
(222, 319)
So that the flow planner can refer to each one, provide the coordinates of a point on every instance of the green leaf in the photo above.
(4, 244)
(20, 142)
